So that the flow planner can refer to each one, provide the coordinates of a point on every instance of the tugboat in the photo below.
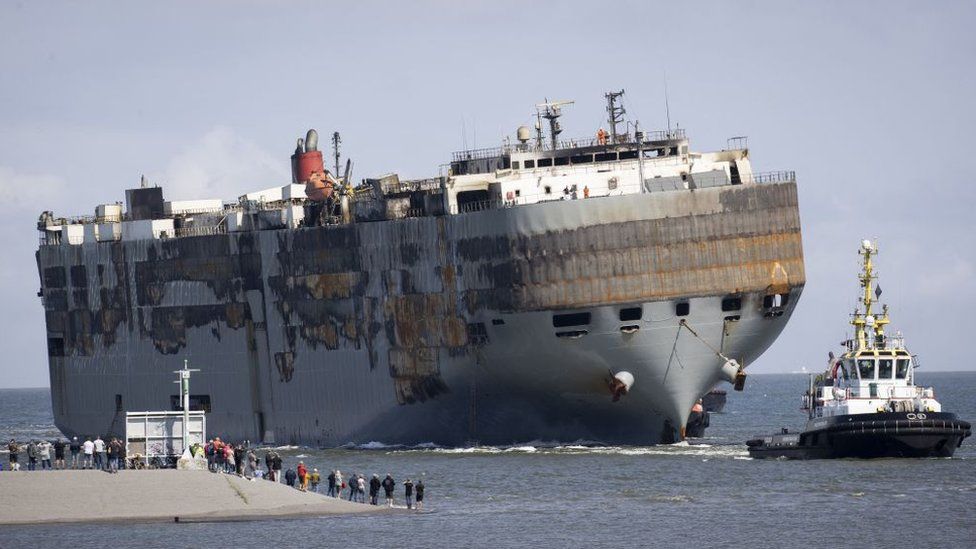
(866, 404)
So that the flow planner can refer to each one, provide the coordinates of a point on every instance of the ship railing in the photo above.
(783, 176)
(479, 154)
(201, 231)
(571, 143)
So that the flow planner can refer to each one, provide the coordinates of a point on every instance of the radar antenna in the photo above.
(615, 113)
(551, 111)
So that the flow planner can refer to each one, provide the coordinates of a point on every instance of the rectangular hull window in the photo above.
(732, 304)
(630, 313)
(571, 319)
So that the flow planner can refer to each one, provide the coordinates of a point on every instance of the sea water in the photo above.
(704, 493)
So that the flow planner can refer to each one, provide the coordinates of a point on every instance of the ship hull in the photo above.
(433, 330)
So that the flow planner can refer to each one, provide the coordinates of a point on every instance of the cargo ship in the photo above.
(547, 289)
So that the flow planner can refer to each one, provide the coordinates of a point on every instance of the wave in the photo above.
(680, 449)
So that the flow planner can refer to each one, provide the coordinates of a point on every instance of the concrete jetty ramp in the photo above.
(150, 496)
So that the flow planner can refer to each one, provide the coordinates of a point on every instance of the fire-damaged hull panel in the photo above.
(430, 329)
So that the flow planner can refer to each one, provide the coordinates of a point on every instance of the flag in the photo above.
(877, 291)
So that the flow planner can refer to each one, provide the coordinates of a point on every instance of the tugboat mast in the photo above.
(863, 322)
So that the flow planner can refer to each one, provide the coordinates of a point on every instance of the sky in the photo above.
(871, 103)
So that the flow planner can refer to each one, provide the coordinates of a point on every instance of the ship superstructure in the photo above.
(587, 289)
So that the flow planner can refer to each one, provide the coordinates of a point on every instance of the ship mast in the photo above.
(551, 111)
(864, 322)
(615, 113)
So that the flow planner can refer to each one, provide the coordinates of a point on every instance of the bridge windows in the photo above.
(884, 368)
(901, 368)
(865, 368)
(545, 162)
(529, 164)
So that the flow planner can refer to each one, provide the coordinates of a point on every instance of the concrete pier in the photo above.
(155, 496)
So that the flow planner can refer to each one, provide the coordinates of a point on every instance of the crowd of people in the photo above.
(242, 460)
(222, 457)
(90, 454)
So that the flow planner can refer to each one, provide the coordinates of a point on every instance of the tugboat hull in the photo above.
(894, 434)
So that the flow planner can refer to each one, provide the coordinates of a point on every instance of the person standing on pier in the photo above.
(420, 494)
(14, 450)
(315, 478)
(115, 447)
(59, 445)
(332, 483)
(339, 485)
(75, 450)
(31, 455)
(276, 465)
(44, 453)
(353, 486)
(100, 461)
(89, 448)
(302, 477)
(361, 488)
(374, 489)
(252, 464)
(388, 486)
(408, 493)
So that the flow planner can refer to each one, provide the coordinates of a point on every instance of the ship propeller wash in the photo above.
(552, 289)
(867, 404)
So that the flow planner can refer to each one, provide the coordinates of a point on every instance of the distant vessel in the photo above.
(548, 289)
(866, 404)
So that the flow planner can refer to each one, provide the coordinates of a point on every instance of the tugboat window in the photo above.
(530, 163)
(545, 162)
(901, 370)
(884, 368)
(865, 368)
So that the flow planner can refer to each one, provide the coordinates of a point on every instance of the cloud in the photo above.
(18, 188)
(947, 280)
(221, 164)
